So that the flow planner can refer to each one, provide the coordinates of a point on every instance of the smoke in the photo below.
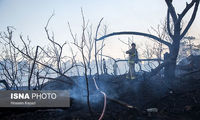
(137, 92)
(79, 91)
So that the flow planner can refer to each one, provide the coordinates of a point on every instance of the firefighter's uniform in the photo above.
(131, 61)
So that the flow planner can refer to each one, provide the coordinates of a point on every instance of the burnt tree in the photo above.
(175, 32)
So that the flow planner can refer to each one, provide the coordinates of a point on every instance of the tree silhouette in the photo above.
(175, 31)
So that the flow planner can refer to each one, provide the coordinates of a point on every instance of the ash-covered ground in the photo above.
(179, 101)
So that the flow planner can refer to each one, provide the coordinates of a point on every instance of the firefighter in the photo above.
(133, 58)
(105, 70)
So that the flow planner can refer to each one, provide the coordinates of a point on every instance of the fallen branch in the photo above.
(186, 74)
(123, 104)
(58, 79)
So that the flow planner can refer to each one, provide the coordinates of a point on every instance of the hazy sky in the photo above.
(30, 16)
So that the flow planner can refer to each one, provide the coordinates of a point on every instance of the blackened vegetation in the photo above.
(127, 100)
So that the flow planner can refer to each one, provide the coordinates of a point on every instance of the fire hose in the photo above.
(104, 94)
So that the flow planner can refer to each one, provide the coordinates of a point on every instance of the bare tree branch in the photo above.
(95, 48)
(187, 8)
(168, 25)
(33, 66)
(5, 83)
(171, 10)
(191, 19)
(135, 33)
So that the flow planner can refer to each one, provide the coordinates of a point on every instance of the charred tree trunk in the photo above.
(171, 66)
(174, 50)
(175, 34)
